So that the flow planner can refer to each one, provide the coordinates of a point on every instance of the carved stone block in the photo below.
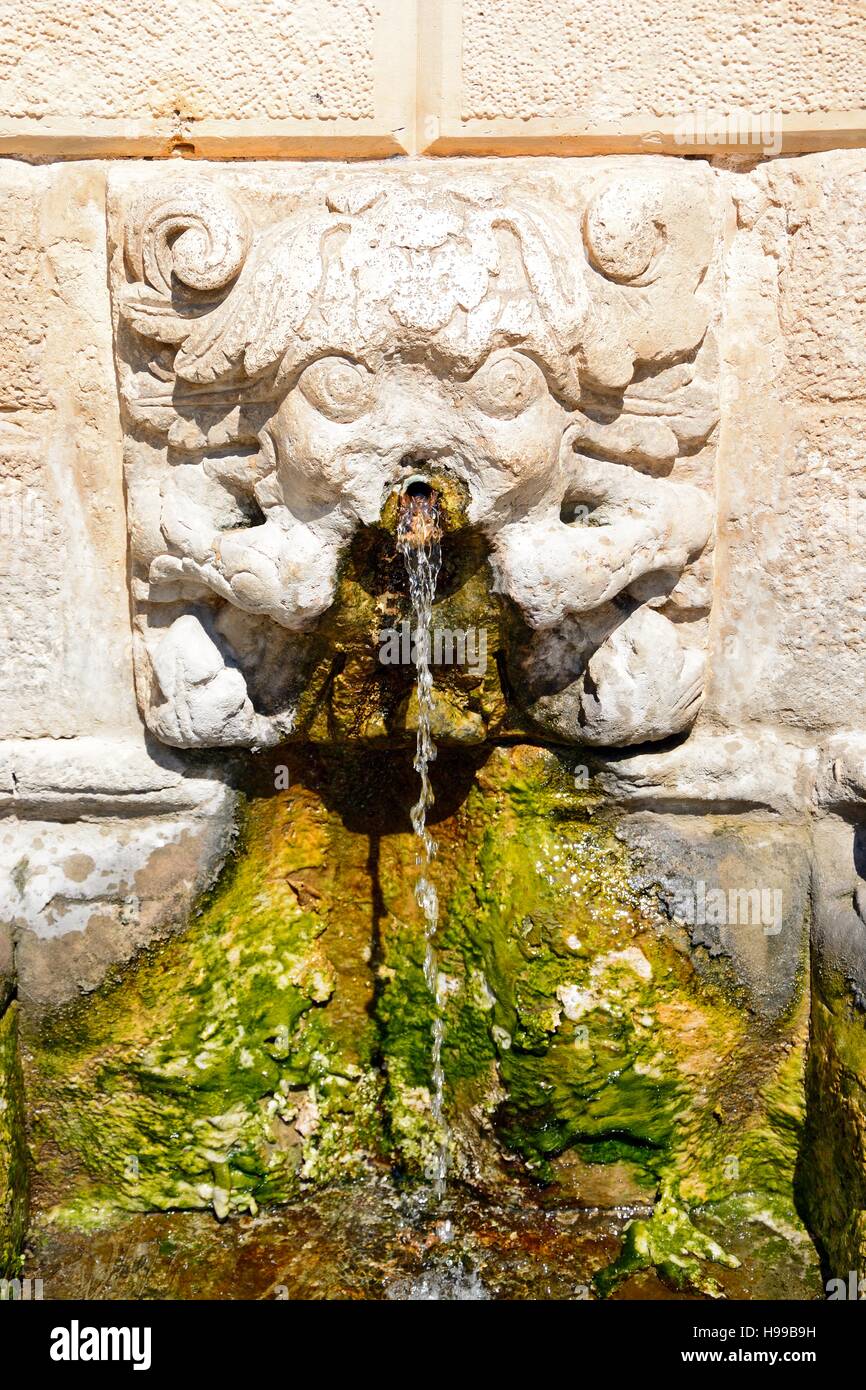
(291, 349)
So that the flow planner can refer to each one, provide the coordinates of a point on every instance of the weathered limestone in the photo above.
(300, 77)
(63, 607)
(740, 889)
(537, 76)
(82, 897)
(354, 78)
(77, 784)
(787, 644)
(105, 843)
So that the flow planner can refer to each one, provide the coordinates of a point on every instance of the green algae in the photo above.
(672, 1245)
(283, 1040)
(571, 1007)
(832, 1176)
(743, 1178)
(14, 1175)
(213, 1071)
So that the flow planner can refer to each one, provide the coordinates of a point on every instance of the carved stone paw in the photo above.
(641, 685)
(200, 701)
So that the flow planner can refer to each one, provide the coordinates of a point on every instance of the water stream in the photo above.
(418, 539)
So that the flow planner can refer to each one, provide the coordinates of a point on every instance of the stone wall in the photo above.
(534, 75)
(359, 78)
(108, 835)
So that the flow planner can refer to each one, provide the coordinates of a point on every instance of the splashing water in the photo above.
(418, 539)
(453, 1284)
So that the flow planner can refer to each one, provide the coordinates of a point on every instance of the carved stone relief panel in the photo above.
(292, 345)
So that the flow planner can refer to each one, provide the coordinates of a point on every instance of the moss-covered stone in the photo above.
(832, 1175)
(285, 1038)
(229, 1064)
(576, 1026)
(347, 694)
(14, 1176)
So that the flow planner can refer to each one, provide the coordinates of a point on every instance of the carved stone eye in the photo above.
(622, 231)
(340, 389)
(507, 384)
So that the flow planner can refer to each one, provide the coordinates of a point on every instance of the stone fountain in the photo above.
(628, 983)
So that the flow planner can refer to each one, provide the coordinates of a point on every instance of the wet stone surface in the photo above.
(373, 1242)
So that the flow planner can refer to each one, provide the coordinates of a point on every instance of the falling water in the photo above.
(418, 538)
